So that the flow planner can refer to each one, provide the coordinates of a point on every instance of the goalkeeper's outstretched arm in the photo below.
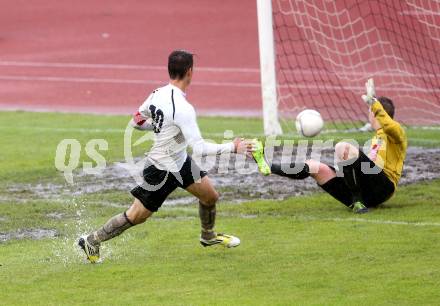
(391, 127)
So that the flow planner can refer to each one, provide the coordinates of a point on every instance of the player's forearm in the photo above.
(188, 125)
(390, 127)
(201, 147)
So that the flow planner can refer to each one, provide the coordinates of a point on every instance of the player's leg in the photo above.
(320, 172)
(367, 182)
(136, 214)
(325, 177)
(148, 199)
(208, 197)
(204, 190)
(350, 164)
(115, 226)
(376, 187)
(296, 171)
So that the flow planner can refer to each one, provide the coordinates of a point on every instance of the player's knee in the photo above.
(320, 172)
(345, 151)
(340, 149)
(137, 213)
(315, 166)
(211, 199)
(140, 219)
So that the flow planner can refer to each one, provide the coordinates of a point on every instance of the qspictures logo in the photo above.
(69, 151)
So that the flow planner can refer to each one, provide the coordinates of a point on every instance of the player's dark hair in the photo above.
(388, 105)
(179, 62)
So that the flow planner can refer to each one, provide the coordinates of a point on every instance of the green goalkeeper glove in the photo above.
(370, 97)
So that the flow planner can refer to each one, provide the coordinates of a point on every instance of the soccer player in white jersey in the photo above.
(173, 120)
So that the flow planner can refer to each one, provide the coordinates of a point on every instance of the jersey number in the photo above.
(157, 116)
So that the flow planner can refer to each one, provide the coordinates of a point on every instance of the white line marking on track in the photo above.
(119, 66)
(215, 84)
(118, 81)
(299, 71)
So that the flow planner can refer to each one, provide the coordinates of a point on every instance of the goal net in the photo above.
(325, 50)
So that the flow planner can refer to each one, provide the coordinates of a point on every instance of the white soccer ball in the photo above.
(309, 123)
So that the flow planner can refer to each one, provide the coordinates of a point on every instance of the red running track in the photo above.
(106, 56)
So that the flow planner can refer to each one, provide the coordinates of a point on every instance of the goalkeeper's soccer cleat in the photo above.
(359, 208)
(258, 155)
(92, 251)
(228, 241)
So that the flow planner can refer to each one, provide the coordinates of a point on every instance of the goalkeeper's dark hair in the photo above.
(387, 105)
(179, 62)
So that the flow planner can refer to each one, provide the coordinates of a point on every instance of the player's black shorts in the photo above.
(160, 183)
(375, 187)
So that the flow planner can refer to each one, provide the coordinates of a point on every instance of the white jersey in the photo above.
(173, 120)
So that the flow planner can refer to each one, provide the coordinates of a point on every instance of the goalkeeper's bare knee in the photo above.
(320, 172)
(346, 151)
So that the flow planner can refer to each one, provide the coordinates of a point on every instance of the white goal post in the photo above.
(267, 68)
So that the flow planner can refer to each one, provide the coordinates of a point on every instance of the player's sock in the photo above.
(333, 187)
(114, 227)
(299, 175)
(207, 218)
(351, 178)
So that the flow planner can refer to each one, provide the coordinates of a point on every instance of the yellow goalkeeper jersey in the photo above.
(388, 146)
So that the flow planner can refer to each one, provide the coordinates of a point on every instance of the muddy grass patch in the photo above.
(28, 233)
(240, 181)
(56, 215)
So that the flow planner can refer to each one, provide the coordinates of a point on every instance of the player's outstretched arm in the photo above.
(391, 127)
(187, 122)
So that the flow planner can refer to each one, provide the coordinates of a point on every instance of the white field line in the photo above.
(374, 221)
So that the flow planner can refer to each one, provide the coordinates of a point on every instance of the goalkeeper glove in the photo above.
(370, 97)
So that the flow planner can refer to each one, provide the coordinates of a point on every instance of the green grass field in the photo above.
(306, 250)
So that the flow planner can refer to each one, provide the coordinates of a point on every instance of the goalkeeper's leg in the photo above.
(350, 165)
(346, 189)
(320, 172)
(325, 177)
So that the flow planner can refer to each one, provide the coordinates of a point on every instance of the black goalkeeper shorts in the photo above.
(375, 188)
(160, 183)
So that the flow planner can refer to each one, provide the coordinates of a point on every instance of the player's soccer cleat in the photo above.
(359, 208)
(222, 239)
(258, 156)
(92, 251)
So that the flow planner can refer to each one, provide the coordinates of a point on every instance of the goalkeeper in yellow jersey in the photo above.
(360, 181)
